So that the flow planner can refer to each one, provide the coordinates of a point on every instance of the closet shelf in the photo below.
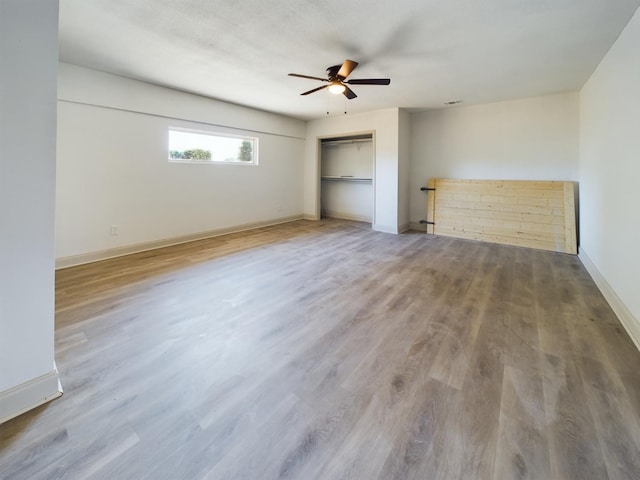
(346, 179)
(342, 141)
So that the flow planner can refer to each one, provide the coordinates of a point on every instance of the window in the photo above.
(192, 146)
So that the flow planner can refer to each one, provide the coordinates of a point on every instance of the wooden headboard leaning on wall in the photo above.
(535, 214)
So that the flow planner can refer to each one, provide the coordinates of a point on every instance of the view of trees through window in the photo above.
(186, 145)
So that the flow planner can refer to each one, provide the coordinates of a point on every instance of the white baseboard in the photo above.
(629, 322)
(308, 216)
(397, 230)
(348, 216)
(73, 260)
(29, 395)
(385, 229)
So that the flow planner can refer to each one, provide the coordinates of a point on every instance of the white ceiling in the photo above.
(434, 51)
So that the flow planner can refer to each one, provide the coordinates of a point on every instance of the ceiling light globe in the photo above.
(337, 88)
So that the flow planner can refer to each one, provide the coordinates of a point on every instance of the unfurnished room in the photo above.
(319, 239)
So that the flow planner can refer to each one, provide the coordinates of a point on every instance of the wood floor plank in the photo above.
(460, 317)
(574, 446)
(320, 350)
(618, 433)
(522, 449)
(428, 446)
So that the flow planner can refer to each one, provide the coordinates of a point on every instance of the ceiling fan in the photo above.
(337, 80)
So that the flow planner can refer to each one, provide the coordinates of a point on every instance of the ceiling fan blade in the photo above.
(314, 90)
(350, 94)
(369, 81)
(347, 67)
(307, 76)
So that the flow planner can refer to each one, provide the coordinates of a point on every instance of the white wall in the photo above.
(348, 200)
(29, 52)
(354, 159)
(384, 124)
(529, 139)
(610, 174)
(88, 86)
(113, 168)
(404, 169)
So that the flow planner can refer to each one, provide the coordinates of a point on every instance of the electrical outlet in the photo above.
(115, 229)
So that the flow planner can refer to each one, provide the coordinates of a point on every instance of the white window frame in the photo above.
(208, 133)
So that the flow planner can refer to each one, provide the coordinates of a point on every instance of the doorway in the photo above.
(347, 177)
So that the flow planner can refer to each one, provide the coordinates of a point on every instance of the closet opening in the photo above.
(347, 177)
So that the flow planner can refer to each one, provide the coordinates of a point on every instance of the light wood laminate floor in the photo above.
(325, 350)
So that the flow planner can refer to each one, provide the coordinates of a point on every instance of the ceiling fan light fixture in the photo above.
(337, 88)
(337, 83)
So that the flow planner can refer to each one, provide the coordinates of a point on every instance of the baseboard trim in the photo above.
(348, 216)
(308, 216)
(29, 395)
(405, 227)
(629, 322)
(385, 229)
(74, 260)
